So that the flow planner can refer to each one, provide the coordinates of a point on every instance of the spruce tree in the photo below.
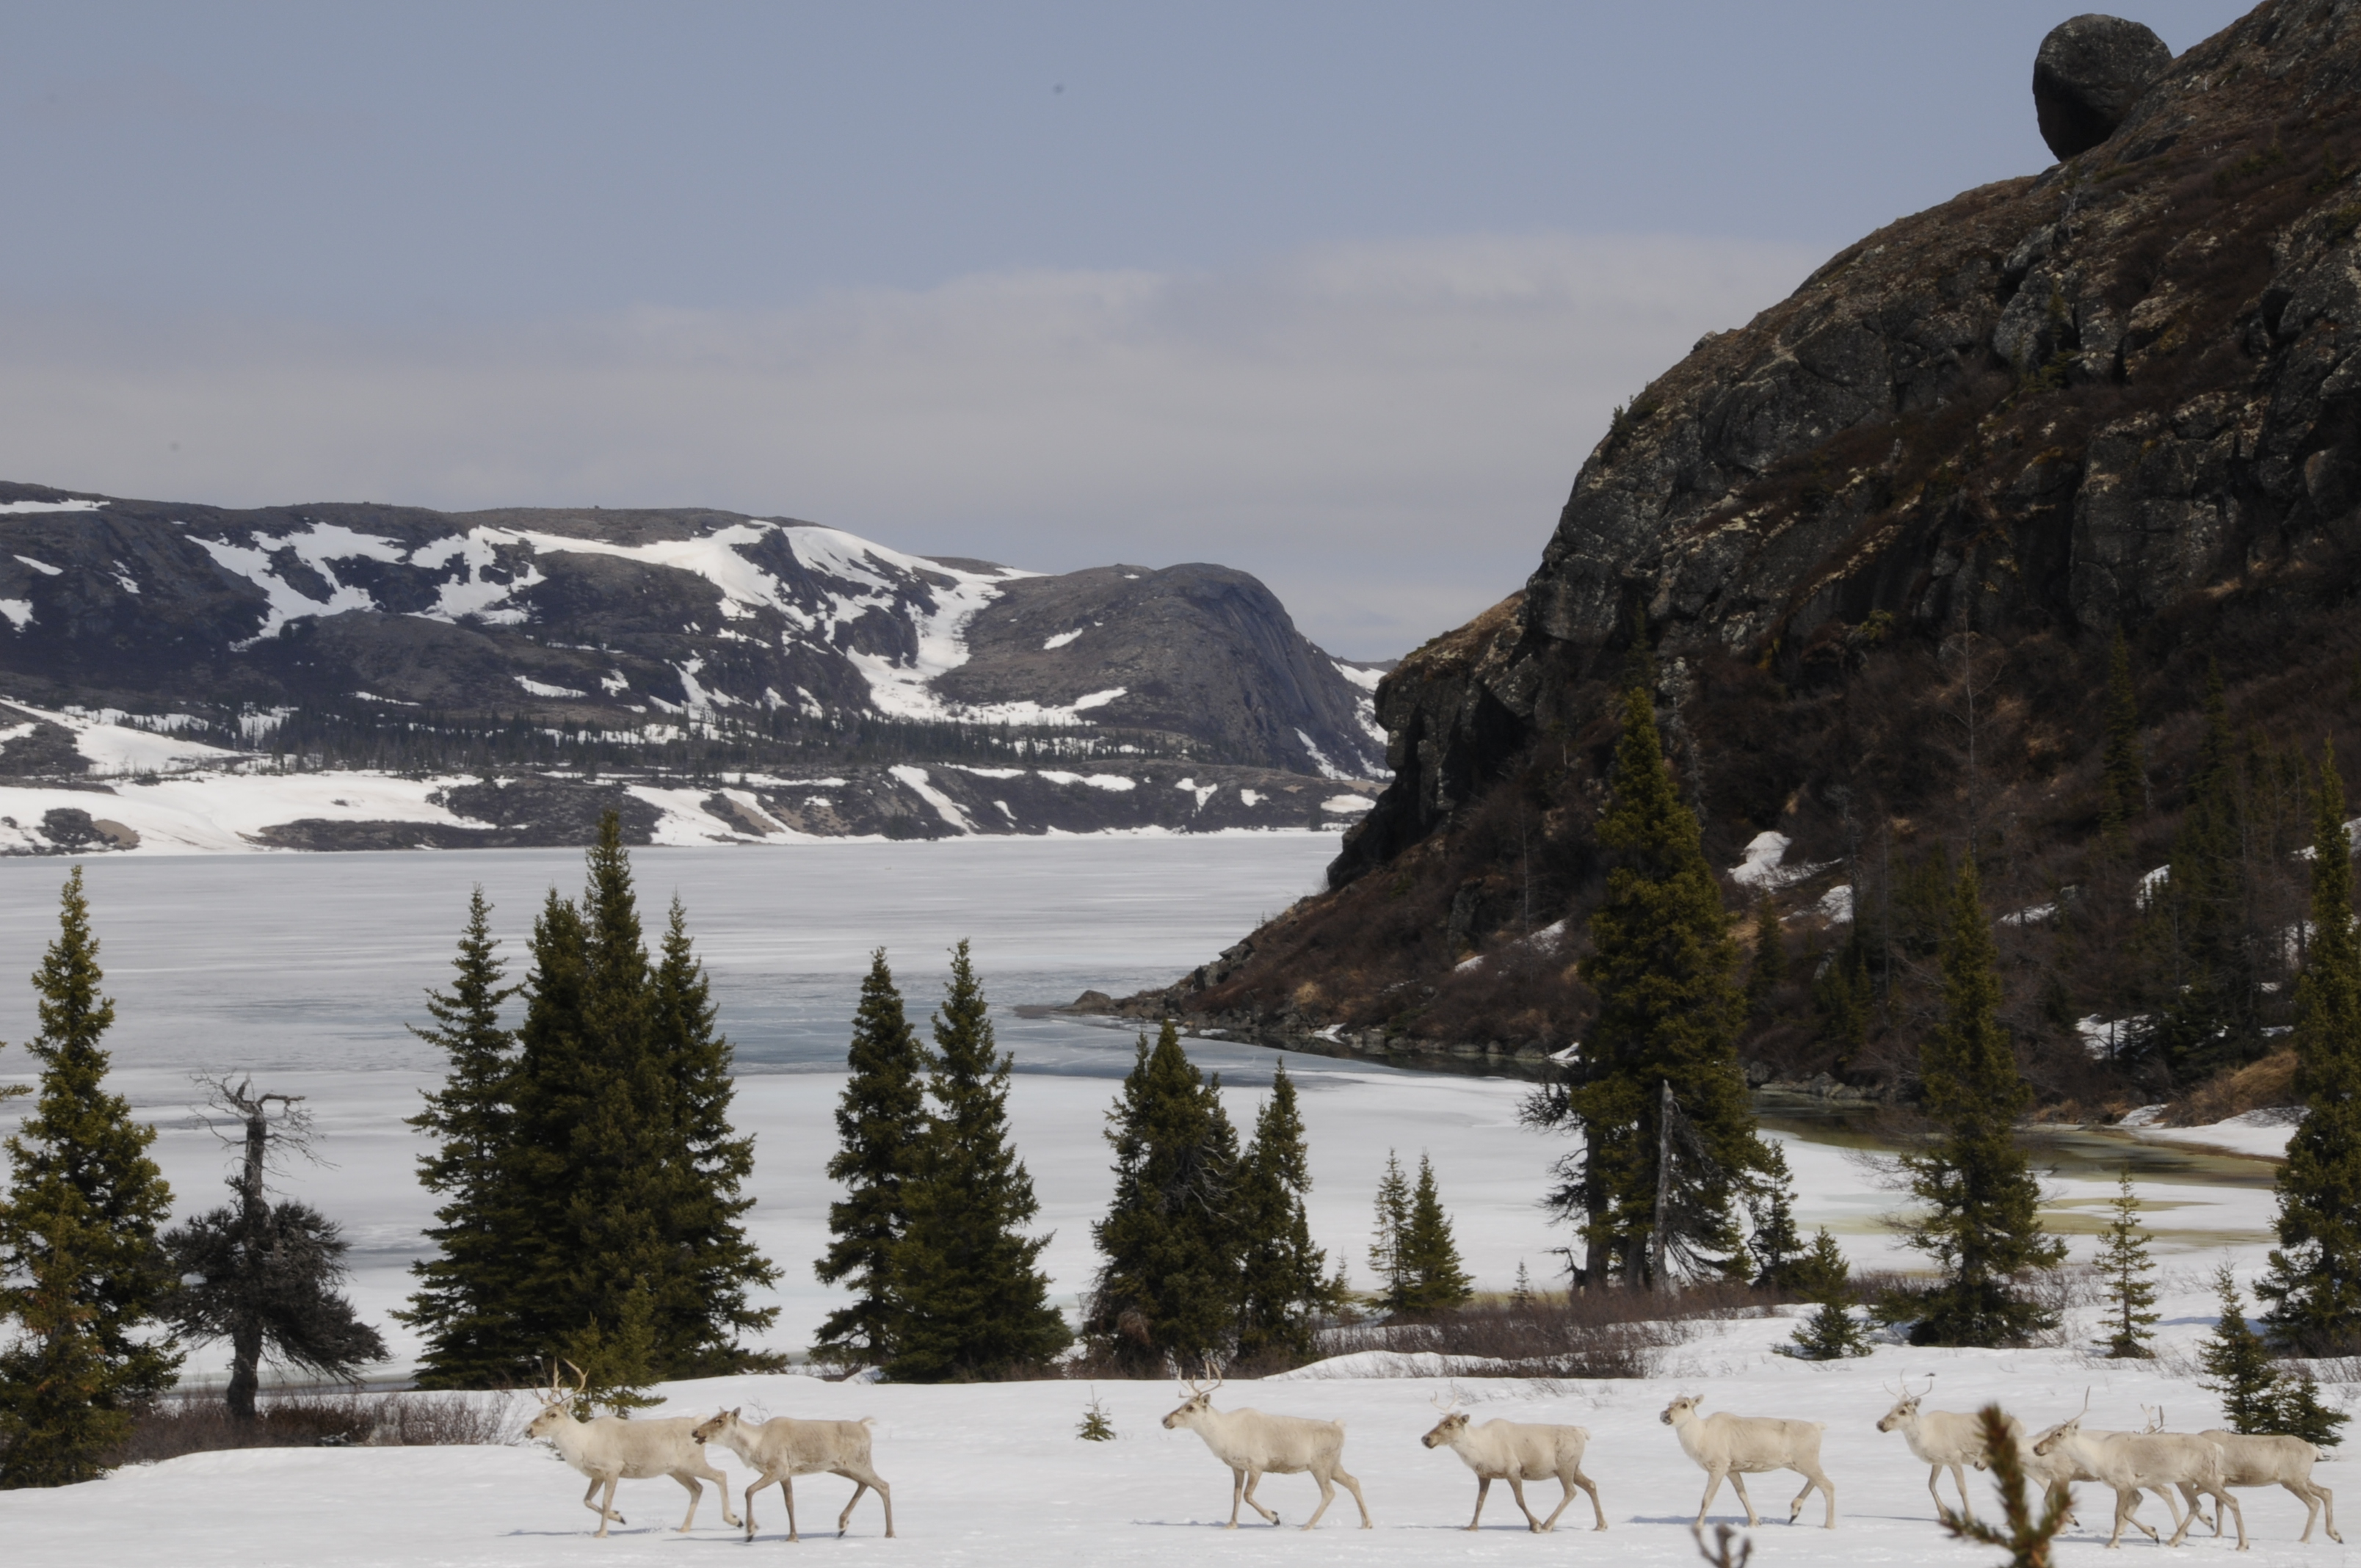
(1388, 1258)
(1777, 1247)
(2129, 1275)
(462, 1305)
(1842, 995)
(974, 1300)
(698, 1329)
(85, 1275)
(2123, 769)
(2210, 1021)
(1831, 1333)
(267, 1276)
(1429, 1256)
(2313, 1283)
(1668, 1018)
(2238, 1365)
(1980, 1224)
(2300, 1413)
(1170, 1287)
(879, 1121)
(1282, 1278)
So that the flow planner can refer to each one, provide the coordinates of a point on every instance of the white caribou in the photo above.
(1739, 1446)
(2129, 1461)
(611, 1449)
(1253, 1445)
(1942, 1440)
(782, 1448)
(1517, 1453)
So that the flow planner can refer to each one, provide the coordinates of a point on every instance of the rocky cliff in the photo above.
(1879, 539)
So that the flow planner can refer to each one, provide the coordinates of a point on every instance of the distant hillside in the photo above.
(660, 650)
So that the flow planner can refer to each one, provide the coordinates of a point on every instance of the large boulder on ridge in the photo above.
(2087, 75)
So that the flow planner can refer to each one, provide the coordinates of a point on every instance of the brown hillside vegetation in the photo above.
(1881, 539)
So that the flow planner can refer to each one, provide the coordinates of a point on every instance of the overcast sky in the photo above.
(1340, 294)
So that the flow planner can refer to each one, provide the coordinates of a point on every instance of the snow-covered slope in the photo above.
(643, 622)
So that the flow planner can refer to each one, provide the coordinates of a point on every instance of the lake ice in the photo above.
(304, 970)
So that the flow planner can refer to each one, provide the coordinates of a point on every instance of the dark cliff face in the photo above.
(2123, 392)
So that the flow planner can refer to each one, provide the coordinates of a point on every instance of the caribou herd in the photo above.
(2181, 1468)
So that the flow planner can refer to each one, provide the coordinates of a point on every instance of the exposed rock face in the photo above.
(2089, 72)
(2126, 392)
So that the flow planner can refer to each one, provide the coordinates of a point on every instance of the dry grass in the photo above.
(200, 1423)
(2257, 1086)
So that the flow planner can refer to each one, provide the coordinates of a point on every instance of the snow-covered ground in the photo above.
(305, 969)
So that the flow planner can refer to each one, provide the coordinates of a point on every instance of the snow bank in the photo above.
(2263, 1134)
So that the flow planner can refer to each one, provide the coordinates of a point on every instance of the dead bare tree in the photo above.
(265, 1275)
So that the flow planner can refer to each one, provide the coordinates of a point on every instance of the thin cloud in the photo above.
(1384, 433)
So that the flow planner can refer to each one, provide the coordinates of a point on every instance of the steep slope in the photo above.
(1878, 537)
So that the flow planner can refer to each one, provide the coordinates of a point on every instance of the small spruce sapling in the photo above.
(2125, 1266)
(1778, 1250)
(1831, 1333)
(2026, 1538)
(1097, 1425)
(2238, 1365)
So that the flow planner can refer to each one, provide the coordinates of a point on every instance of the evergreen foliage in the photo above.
(460, 1306)
(1168, 1292)
(609, 1231)
(1842, 995)
(81, 1270)
(1385, 1260)
(265, 1277)
(698, 1327)
(2025, 1537)
(2210, 1019)
(879, 1121)
(2238, 1364)
(1428, 1255)
(1283, 1283)
(1778, 1249)
(2313, 1283)
(1096, 1426)
(2123, 1265)
(1831, 1333)
(2123, 768)
(974, 1300)
(1980, 1224)
(1668, 1017)
(2300, 1413)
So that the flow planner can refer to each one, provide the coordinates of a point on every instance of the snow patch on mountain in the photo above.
(18, 508)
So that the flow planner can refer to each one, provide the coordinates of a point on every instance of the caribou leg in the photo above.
(866, 1480)
(1483, 1485)
(1354, 1486)
(1738, 1479)
(1516, 1490)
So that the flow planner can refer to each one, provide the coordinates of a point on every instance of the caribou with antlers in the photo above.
(611, 1449)
(1253, 1445)
(1942, 1440)
(1516, 1452)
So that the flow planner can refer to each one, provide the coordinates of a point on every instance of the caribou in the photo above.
(1739, 1446)
(1942, 1440)
(2130, 1462)
(611, 1449)
(1518, 1452)
(782, 1448)
(2271, 1460)
(1253, 1445)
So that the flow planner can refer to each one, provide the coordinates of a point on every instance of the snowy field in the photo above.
(304, 970)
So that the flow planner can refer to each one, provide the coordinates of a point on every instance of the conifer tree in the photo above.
(1429, 1255)
(1668, 1018)
(1768, 971)
(1778, 1249)
(974, 1300)
(1981, 1225)
(1387, 1259)
(1282, 1278)
(2313, 1283)
(1842, 995)
(879, 1121)
(2300, 1413)
(1170, 1287)
(699, 1328)
(462, 1304)
(1831, 1333)
(2124, 1266)
(2210, 1021)
(2123, 769)
(2237, 1363)
(81, 1270)
(267, 1276)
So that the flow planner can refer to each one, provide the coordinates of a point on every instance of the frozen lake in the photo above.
(305, 969)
